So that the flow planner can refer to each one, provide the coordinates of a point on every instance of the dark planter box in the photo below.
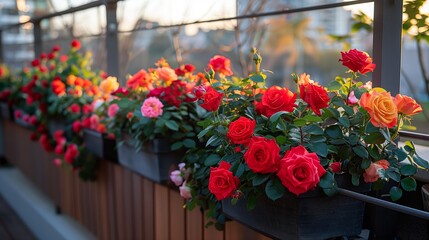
(6, 111)
(101, 146)
(59, 124)
(154, 161)
(310, 216)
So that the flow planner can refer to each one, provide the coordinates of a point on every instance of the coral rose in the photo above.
(141, 80)
(109, 85)
(152, 107)
(371, 174)
(357, 61)
(58, 87)
(407, 105)
(166, 74)
(211, 99)
(300, 171)
(381, 108)
(262, 156)
(241, 130)
(221, 65)
(222, 183)
(276, 99)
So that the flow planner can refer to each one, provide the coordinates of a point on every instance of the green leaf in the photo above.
(374, 138)
(386, 133)
(408, 170)
(240, 170)
(172, 125)
(365, 163)
(393, 174)
(257, 78)
(320, 148)
(330, 191)
(420, 161)
(312, 118)
(299, 122)
(176, 145)
(409, 184)
(395, 193)
(260, 179)
(313, 129)
(355, 179)
(360, 151)
(205, 131)
(212, 160)
(281, 139)
(334, 86)
(334, 131)
(274, 189)
(189, 143)
(212, 139)
(344, 121)
(400, 154)
(251, 202)
(327, 180)
(275, 117)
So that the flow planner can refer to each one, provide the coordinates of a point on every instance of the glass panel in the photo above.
(136, 13)
(71, 25)
(18, 46)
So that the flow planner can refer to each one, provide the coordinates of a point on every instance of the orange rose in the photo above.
(371, 173)
(166, 74)
(140, 80)
(109, 85)
(381, 108)
(406, 105)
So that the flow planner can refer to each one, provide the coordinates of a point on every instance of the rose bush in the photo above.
(278, 142)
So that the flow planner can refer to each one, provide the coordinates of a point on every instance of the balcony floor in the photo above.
(11, 226)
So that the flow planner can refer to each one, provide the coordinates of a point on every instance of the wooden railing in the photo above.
(119, 204)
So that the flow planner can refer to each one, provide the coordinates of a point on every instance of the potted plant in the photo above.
(6, 83)
(276, 152)
(157, 118)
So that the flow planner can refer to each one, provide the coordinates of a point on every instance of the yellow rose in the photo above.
(381, 107)
(109, 85)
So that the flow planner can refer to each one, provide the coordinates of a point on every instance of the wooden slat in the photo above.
(128, 204)
(162, 224)
(102, 201)
(138, 207)
(148, 209)
(211, 233)
(235, 230)
(177, 216)
(111, 201)
(194, 225)
(119, 203)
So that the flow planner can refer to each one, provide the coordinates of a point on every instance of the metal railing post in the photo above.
(387, 44)
(112, 43)
(1, 47)
(37, 33)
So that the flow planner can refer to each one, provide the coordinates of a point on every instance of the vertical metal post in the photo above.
(1, 46)
(112, 43)
(387, 44)
(37, 33)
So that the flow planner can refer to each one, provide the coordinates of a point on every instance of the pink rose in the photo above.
(176, 177)
(112, 110)
(185, 191)
(371, 174)
(152, 107)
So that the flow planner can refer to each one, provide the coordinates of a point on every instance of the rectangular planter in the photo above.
(6, 111)
(154, 161)
(101, 146)
(22, 123)
(56, 124)
(292, 217)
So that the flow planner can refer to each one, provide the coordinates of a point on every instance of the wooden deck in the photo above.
(11, 226)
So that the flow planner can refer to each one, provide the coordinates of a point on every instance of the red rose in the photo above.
(241, 130)
(75, 44)
(262, 155)
(222, 183)
(276, 99)
(75, 108)
(120, 90)
(300, 171)
(35, 62)
(357, 61)
(56, 48)
(221, 65)
(76, 126)
(315, 96)
(335, 167)
(71, 153)
(211, 99)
